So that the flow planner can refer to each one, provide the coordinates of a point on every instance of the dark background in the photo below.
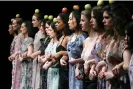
(9, 9)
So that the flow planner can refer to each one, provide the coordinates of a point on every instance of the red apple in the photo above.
(64, 10)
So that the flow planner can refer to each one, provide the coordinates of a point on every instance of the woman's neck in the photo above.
(77, 32)
(26, 36)
(14, 35)
(39, 27)
(54, 39)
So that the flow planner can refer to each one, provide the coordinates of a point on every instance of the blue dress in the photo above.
(74, 49)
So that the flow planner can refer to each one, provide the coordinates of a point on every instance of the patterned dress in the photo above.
(26, 66)
(17, 68)
(53, 72)
(36, 78)
(44, 44)
(114, 55)
(13, 62)
(74, 48)
(130, 72)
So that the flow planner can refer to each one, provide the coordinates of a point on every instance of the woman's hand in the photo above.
(92, 74)
(78, 74)
(109, 75)
(116, 70)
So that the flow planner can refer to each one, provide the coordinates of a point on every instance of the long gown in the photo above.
(26, 66)
(17, 67)
(74, 49)
(36, 77)
(53, 72)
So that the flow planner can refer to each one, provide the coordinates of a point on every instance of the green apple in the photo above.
(36, 11)
(100, 2)
(50, 17)
(87, 6)
(46, 17)
(111, 1)
(54, 20)
(17, 15)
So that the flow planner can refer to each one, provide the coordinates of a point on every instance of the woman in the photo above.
(53, 71)
(74, 48)
(24, 56)
(36, 21)
(116, 55)
(129, 45)
(16, 24)
(11, 32)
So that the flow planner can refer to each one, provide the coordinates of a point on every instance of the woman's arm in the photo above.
(126, 59)
(33, 55)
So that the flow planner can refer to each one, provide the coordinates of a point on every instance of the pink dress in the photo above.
(17, 68)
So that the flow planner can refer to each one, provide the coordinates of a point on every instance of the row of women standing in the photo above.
(84, 50)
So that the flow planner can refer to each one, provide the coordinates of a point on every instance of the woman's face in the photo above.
(93, 21)
(52, 33)
(127, 39)
(84, 23)
(72, 22)
(15, 25)
(10, 29)
(35, 21)
(107, 20)
(47, 28)
(23, 29)
(42, 28)
(60, 24)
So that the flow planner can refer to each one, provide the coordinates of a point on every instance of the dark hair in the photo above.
(98, 14)
(65, 17)
(129, 32)
(29, 27)
(77, 14)
(55, 30)
(120, 16)
(49, 22)
(44, 22)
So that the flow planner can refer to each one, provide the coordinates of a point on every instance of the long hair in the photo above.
(120, 16)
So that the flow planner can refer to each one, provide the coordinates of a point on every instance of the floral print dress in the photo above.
(26, 66)
(114, 56)
(74, 48)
